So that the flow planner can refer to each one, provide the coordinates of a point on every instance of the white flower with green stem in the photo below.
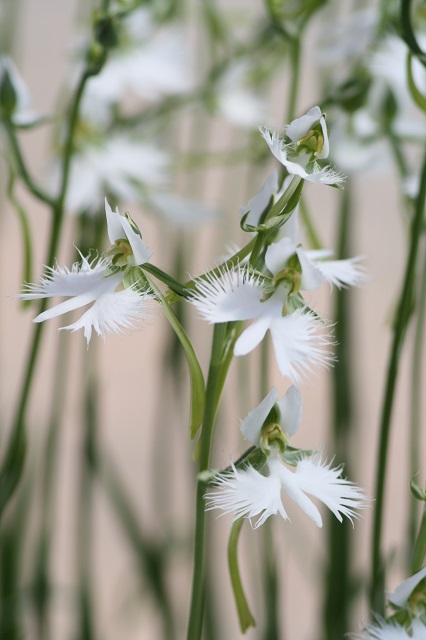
(100, 281)
(256, 493)
(305, 142)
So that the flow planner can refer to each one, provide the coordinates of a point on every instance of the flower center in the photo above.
(120, 253)
(313, 142)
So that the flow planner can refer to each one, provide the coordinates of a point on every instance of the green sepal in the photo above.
(244, 614)
(293, 456)
(417, 491)
(134, 278)
(111, 270)
(8, 97)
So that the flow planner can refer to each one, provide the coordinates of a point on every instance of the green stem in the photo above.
(25, 230)
(14, 459)
(244, 615)
(295, 74)
(399, 332)
(210, 410)
(416, 397)
(313, 236)
(419, 554)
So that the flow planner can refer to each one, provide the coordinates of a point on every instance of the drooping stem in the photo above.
(399, 332)
(244, 614)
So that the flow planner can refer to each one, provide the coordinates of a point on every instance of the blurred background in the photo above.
(97, 540)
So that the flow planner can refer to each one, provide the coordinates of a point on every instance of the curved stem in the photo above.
(399, 332)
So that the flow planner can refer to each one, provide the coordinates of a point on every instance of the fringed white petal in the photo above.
(291, 487)
(113, 312)
(231, 296)
(252, 336)
(343, 273)
(290, 406)
(251, 425)
(62, 281)
(275, 143)
(247, 493)
(320, 480)
(382, 630)
(299, 344)
(327, 175)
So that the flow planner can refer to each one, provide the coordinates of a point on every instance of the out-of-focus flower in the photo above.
(149, 62)
(401, 596)
(181, 212)
(305, 142)
(118, 165)
(250, 493)
(236, 100)
(237, 295)
(97, 281)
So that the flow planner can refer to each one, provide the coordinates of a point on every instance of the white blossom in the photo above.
(236, 295)
(382, 630)
(251, 493)
(305, 142)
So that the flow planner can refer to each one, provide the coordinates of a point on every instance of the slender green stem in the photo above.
(244, 614)
(416, 397)
(14, 459)
(313, 236)
(399, 332)
(419, 554)
(210, 410)
(295, 58)
(25, 230)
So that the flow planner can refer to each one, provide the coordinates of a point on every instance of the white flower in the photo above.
(249, 493)
(117, 165)
(22, 114)
(236, 100)
(113, 311)
(306, 142)
(237, 295)
(184, 213)
(315, 265)
(150, 63)
(260, 201)
(382, 630)
(401, 595)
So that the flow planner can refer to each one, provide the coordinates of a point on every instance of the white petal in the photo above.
(382, 630)
(247, 493)
(343, 273)
(141, 253)
(301, 126)
(112, 313)
(402, 593)
(231, 296)
(324, 153)
(275, 143)
(291, 486)
(327, 175)
(260, 201)
(61, 281)
(312, 278)
(115, 228)
(252, 336)
(299, 345)
(290, 406)
(317, 478)
(278, 254)
(251, 425)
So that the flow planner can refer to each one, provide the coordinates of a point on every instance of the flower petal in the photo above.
(382, 630)
(252, 336)
(247, 494)
(343, 273)
(251, 425)
(298, 344)
(278, 254)
(290, 406)
(402, 593)
(300, 127)
(317, 478)
(291, 486)
(231, 296)
(141, 253)
(260, 201)
(113, 312)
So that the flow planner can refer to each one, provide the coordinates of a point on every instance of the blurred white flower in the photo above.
(236, 100)
(305, 142)
(93, 281)
(183, 213)
(249, 493)
(118, 165)
(237, 295)
(151, 62)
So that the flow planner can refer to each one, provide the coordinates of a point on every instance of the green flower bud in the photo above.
(135, 278)
(105, 30)
(8, 97)
(417, 491)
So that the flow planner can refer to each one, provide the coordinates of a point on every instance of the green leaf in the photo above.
(245, 617)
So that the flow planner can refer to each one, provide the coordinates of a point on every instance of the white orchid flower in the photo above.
(249, 493)
(315, 264)
(92, 282)
(305, 142)
(237, 295)
(382, 630)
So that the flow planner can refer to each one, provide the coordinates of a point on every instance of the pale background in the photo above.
(42, 42)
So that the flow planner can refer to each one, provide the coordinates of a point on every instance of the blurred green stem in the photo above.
(416, 389)
(337, 591)
(419, 555)
(399, 332)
